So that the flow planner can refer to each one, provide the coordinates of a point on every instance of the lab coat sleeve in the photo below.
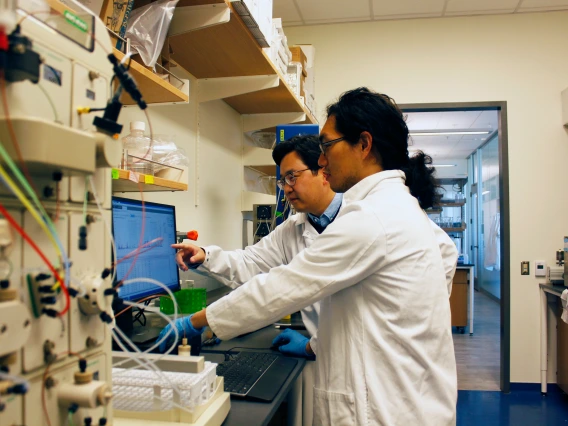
(314, 343)
(234, 268)
(449, 254)
(352, 248)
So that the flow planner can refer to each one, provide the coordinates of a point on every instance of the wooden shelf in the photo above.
(452, 181)
(443, 203)
(434, 211)
(461, 229)
(230, 50)
(153, 88)
(266, 170)
(124, 184)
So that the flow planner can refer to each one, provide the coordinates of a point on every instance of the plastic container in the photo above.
(134, 390)
(137, 148)
(189, 300)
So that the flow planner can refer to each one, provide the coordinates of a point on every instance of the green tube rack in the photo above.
(189, 300)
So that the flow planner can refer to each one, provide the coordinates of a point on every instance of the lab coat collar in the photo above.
(363, 187)
(308, 231)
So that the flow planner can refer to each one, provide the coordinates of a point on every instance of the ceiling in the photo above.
(315, 12)
(442, 148)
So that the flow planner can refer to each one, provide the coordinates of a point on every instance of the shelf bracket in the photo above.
(211, 89)
(191, 18)
(262, 121)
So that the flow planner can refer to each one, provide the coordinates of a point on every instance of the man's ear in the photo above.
(366, 143)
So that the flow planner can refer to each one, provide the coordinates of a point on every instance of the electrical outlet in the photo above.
(525, 269)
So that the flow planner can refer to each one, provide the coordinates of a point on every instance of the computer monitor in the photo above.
(157, 261)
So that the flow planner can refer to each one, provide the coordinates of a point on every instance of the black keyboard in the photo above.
(255, 375)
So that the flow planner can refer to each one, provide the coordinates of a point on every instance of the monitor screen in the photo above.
(156, 260)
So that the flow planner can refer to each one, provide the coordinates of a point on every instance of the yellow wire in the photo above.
(30, 208)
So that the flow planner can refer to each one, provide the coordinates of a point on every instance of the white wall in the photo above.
(212, 204)
(521, 59)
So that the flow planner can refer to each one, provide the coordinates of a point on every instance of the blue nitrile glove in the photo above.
(291, 342)
(184, 328)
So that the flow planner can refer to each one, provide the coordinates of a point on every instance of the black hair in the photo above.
(362, 110)
(306, 146)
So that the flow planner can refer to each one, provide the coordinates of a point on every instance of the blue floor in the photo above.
(518, 408)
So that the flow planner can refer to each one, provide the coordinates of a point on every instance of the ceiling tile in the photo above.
(541, 5)
(466, 7)
(457, 120)
(422, 120)
(335, 10)
(471, 138)
(407, 8)
(470, 144)
(487, 120)
(461, 153)
(451, 146)
(286, 10)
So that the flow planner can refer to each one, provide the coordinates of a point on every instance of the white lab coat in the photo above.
(385, 349)
(234, 268)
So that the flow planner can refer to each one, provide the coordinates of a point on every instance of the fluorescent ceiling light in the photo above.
(463, 132)
(441, 165)
(485, 192)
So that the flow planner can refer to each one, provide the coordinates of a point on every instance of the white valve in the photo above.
(15, 326)
(98, 295)
(87, 395)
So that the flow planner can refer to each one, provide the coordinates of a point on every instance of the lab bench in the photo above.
(251, 413)
(561, 337)
(462, 286)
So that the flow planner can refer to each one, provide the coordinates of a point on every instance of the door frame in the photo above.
(505, 239)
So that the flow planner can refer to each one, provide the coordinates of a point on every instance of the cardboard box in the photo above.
(257, 16)
(299, 56)
(245, 7)
(115, 14)
(265, 20)
(310, 85)
(310, 52)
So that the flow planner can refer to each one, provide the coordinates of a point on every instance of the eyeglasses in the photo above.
(289, 178)
(323, 145)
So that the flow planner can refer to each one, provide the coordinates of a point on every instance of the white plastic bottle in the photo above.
(137, 149)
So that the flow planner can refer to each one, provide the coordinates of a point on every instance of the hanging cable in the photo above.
(52, 234)
(26, 237)
(12, 131)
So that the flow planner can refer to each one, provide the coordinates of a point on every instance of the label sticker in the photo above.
(76, 21)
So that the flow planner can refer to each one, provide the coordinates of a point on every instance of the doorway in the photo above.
(484, 240)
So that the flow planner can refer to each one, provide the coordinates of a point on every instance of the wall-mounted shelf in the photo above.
(121, 183)
(248, 199)
(229, 50)
(153, 88)
(461, 229)
(450, 203)
(452, 181)
(266, 170)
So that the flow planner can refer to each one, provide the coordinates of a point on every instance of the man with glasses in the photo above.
(316, 205)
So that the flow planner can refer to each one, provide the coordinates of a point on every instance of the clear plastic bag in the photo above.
(166, 152)
(148, 27)
(173, 159)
